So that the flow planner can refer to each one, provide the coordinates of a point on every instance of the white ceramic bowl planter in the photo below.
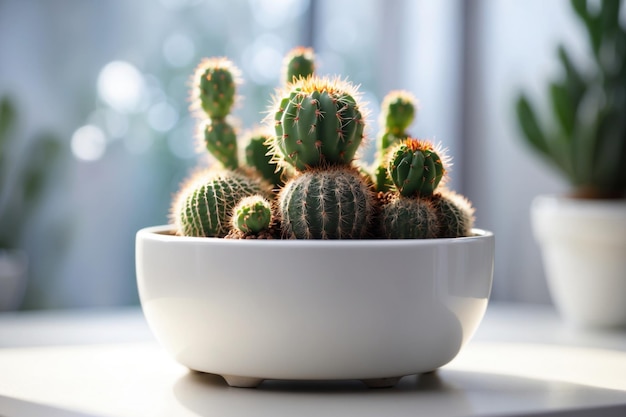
(373, 310)
(330, 270)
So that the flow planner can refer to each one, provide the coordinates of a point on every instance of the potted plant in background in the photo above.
(583, 235)
(316, 273)
(23, 175)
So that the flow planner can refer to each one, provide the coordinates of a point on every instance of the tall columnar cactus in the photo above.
(252, 214)
(221, 140)
(398, 111)
(258, 156)
(205, 204)
(298, 63)
(416, 168)
(214, 92)
(318, 122)
(326, 204)
(409, 218)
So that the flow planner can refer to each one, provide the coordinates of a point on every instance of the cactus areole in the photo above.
(318, 122)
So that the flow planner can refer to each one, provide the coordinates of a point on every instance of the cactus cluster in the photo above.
(299, 178)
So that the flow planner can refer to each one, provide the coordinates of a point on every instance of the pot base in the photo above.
(253, 382)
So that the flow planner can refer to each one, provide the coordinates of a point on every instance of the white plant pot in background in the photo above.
(13, 275)
(583, 244)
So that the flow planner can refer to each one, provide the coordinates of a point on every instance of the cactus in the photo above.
(398, 111)
(258, 156)
(326, 204)
(214, 88)
(298, 63)
(416, 168)
(252, 214)
(455, 214)
(221, 140)
(205, 204)
(409, 218)
(318, 122)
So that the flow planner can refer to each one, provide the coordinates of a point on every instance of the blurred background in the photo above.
(96, 132)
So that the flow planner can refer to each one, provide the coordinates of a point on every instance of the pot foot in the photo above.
(242, 381)
(381, 382)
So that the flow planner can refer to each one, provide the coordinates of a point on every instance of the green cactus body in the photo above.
(454, 213)
(415, 168)
(318, 123)
(214, 86)
(298, 63)
(220, 139)
(398, 112)
(409, 218)
(381, 178)
(258, 156)
(326, 204)
(252, 214)
(388, 139)
(205, 204)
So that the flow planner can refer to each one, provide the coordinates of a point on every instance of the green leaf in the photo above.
(580, 7)
(37, 170)
(530, 127)
(609, 16)
(563, 107)
(7, 121)
(609, 154)
(575, 82)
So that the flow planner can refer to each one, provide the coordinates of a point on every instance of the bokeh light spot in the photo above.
(121, 85)
(88, 143)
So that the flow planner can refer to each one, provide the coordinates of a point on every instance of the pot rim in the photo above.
(164, 233)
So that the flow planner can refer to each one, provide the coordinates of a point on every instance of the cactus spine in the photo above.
(205, 204)
(214, 88)
(252, 214)
(318, 122)
(326, 204)
(298, 63)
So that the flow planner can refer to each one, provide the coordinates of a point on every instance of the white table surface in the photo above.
(522, 361)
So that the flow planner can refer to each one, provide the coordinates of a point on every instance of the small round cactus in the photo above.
(214, 86)
(205, 203)
(259, 156)
(318, 122)
(455, 214)
(416, 168)
(220, 140)
(326, 204)
(398, 111)
(409, 218)
(298, 63)
(252, 214)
